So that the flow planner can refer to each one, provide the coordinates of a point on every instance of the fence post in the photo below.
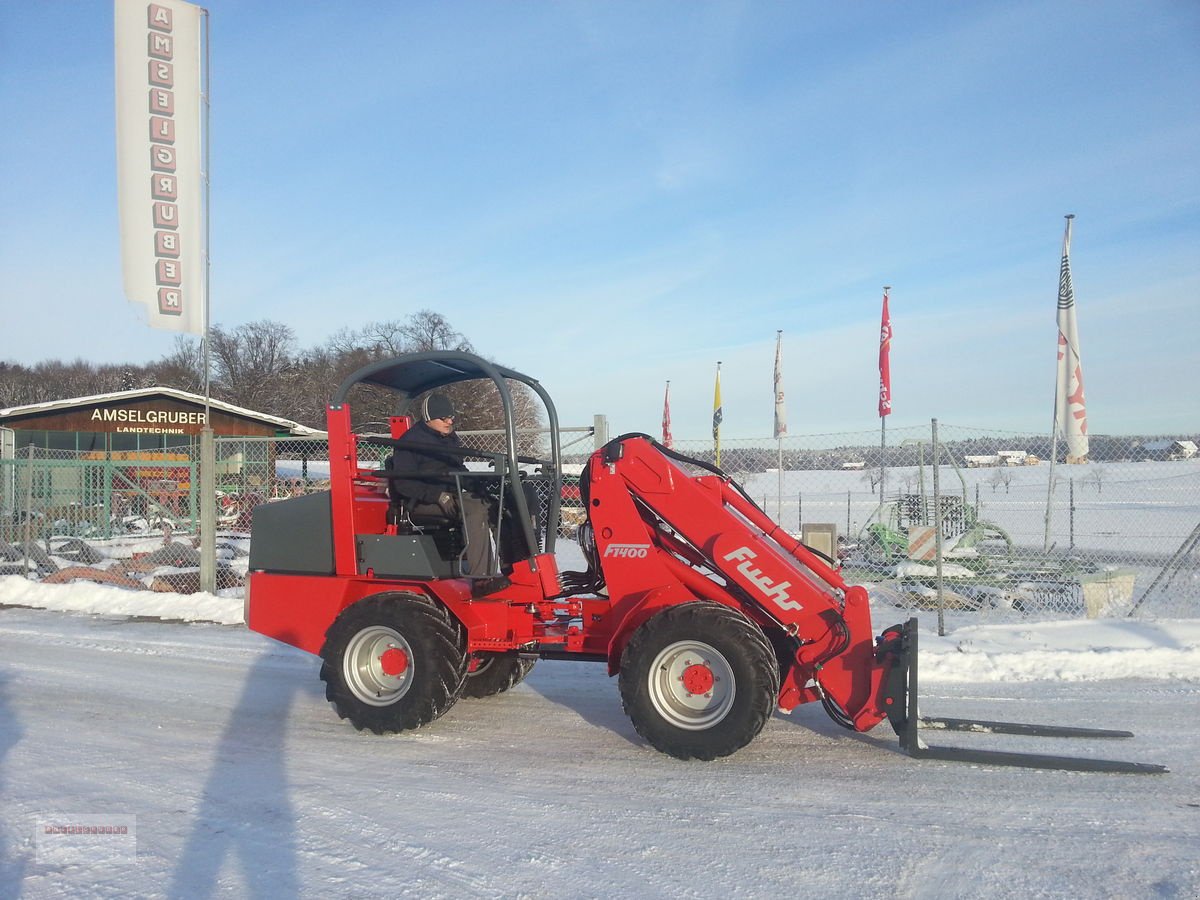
(937, 532)
(1071, 546)
(599, 430)
(107, 509)
(799, 511)
(208, 511)
(28, 511)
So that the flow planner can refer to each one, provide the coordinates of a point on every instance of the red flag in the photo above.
(885, 366)
(667, 440)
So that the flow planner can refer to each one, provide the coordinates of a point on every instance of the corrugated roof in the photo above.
(294, 427)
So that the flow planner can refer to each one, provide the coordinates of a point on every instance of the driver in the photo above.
(427, 458)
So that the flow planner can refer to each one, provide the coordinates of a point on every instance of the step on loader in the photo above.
(709, 613)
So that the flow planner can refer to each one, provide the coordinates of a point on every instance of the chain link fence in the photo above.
(957, 519)
(123, 517)
(946, 518)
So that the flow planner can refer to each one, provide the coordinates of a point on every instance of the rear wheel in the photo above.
(699, 680)
(393, 662)
(489, 674)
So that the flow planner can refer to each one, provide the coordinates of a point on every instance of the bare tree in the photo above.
(258, 366)
(873, 477)
(252, 363)
(1000, 478)
(182, 368)
(427, 330)
(14, 384)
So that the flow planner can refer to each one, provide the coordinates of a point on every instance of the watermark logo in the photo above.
(85, 840)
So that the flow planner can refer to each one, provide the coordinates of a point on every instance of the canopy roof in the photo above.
(416, 373)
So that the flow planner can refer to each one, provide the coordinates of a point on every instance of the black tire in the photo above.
(489, 674)
(678, 653)
(431, 659)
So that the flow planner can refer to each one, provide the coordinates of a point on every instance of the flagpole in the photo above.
(1054, 424)
(780, 425)
(718, 414)
(667, 439)
(208, 456)
(883, 428)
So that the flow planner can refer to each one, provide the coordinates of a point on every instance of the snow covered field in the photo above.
(218, 747)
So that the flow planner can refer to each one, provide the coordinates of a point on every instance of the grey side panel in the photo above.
(401, 555)
(293, 536)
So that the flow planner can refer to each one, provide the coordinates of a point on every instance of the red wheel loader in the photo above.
(710, 614)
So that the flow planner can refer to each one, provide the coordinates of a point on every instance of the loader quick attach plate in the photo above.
(902, 697)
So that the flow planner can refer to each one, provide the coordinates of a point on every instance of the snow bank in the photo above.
(104, 600)
(1085, 650)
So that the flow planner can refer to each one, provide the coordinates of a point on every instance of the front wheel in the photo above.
(699, 680)
(393, 662)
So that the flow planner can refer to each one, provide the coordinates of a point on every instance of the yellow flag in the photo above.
(717, 416)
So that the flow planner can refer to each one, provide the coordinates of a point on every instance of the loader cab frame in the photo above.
(356, 491)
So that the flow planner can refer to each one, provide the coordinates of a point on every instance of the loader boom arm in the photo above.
(703, 533)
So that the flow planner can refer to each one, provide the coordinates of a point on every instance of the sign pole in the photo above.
(208, 461)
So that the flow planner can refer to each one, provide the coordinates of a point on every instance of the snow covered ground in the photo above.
(216, 748)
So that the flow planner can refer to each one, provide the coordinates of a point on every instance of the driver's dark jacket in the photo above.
(427, 459)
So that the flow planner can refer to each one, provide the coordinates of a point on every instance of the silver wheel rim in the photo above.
(362, 666)
(674, 679)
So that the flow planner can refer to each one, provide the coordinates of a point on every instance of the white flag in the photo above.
(780, 407)
(1070, 409)
(159, 192)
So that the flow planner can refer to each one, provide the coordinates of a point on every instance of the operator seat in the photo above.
(407, 515)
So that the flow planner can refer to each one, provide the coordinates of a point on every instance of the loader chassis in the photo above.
(711, 615)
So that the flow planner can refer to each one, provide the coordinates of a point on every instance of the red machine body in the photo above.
(662, 537)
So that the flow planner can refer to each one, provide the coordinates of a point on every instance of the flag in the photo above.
(780, 408)
(885, 360)
(1070, 410)
(159, 158)
(667, 440)
(717, 416)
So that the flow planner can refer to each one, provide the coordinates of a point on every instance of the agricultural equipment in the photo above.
(966, 537)
(709, 613)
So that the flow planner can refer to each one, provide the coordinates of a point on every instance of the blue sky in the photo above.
(610, 195)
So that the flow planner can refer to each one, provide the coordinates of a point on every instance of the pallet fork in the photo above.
(901, 696)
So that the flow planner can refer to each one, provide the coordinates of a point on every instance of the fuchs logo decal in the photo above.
(773, 591)
(627, 551)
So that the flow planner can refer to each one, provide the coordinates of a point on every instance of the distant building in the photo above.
(854, 465)
(982, 462)
(156, 418)
(136, 447)
(1002, 458)
(1166, 450)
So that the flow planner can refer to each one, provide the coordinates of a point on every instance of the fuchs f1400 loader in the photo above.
(710, 614)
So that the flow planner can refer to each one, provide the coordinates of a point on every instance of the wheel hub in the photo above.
(394, 662)
(697, 679)
(691, 685)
